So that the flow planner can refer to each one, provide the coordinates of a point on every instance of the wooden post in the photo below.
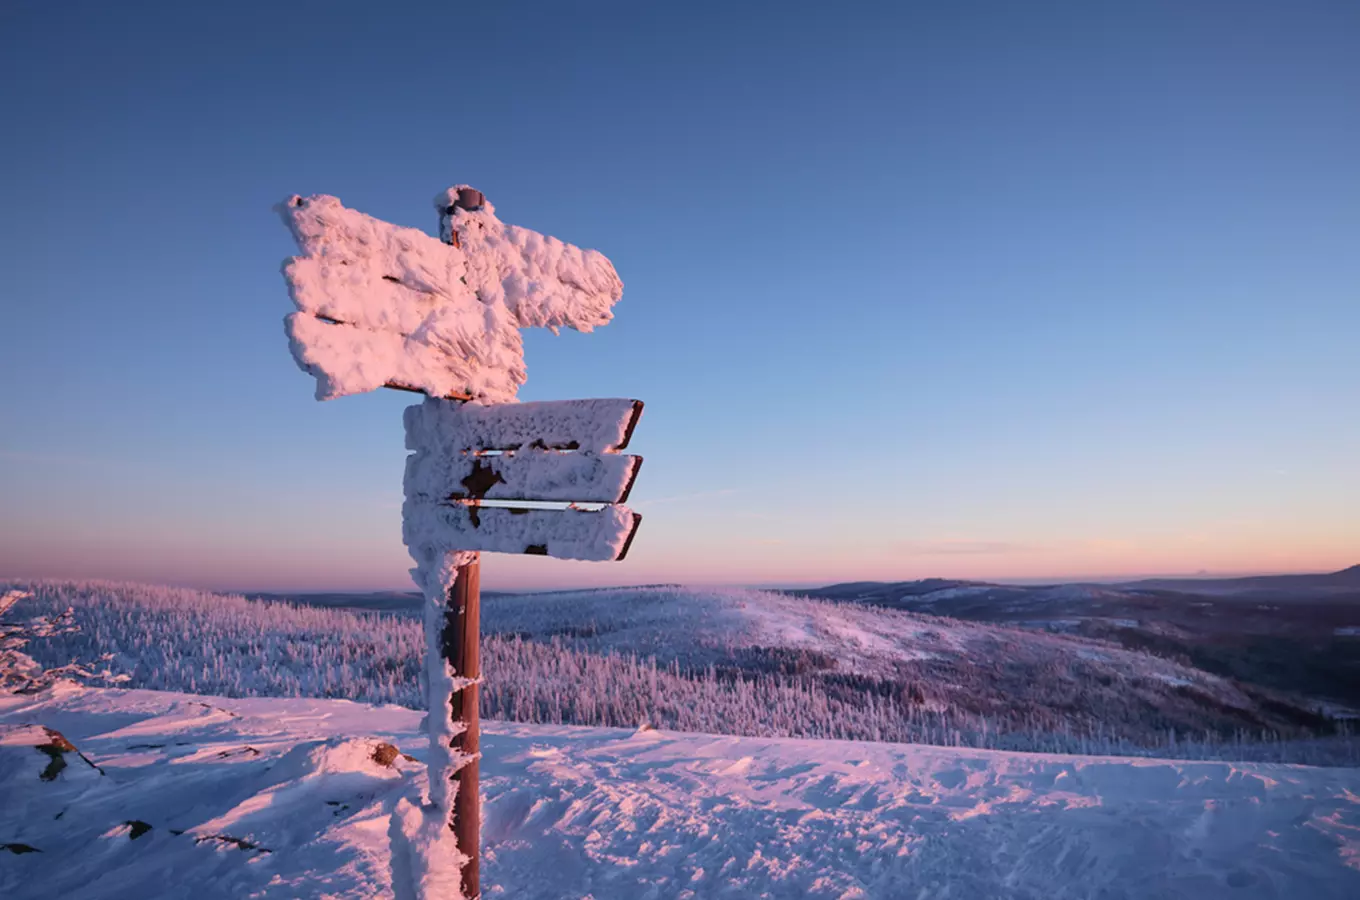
(460, 644)
(461, 647)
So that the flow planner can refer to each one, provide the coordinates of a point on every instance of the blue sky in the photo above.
(983, 290)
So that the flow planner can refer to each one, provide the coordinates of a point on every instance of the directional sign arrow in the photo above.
(523, 475)
(601, 535)
(605, 425)
(380, 305)
(563, 451)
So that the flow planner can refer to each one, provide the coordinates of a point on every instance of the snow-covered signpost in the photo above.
(384, 306)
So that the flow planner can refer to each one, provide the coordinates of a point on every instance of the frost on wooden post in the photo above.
(430, 847)
(466, 456)
(382, 305)
(379, 305)
(443, 681)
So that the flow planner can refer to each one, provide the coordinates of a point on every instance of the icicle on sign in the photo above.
(379, 305)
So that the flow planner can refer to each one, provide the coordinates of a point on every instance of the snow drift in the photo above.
(202, 797)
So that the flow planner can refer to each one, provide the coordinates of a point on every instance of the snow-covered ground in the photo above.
(753, 663)
(268, 797)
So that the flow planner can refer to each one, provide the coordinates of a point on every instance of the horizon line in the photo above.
(1127, 578)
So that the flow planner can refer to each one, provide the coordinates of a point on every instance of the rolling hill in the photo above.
(729, 661)
(1293, 633)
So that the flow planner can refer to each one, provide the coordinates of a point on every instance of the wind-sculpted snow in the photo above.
(718, 661)
(198, 798)
(380, 304)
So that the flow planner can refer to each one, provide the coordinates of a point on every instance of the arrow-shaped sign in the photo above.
(468, 454)
(384, 306)
(522, 475)
(603, 426)
(598, 535)
(380, 305)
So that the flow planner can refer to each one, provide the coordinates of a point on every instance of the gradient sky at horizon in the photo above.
(979, 290)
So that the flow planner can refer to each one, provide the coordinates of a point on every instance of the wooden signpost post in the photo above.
(385, 306)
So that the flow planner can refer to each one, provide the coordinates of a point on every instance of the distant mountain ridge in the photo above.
(1295, 633)
(1345, 579)
(1290, 632)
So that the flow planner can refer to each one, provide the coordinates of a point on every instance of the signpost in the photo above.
(379, 305)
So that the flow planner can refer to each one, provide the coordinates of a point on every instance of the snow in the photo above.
(274, 798)
(948, 594)
(599, 426)
(380, 304)
(686, 622)
(443, 682)
(447, 438)
(666, 655)
(432, 529)
(1061, 625)
(526, 475)
(428, 850)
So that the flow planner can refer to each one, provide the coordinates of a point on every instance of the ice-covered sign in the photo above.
(380, 305)
(466, 455)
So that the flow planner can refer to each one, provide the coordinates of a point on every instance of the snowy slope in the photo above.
(683, 621)
(1050, 681)
(283, 798)
(753, 663)
(1285, 633)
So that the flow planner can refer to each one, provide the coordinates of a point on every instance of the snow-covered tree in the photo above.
(21, 673)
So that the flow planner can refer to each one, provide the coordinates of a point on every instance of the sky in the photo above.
(976, 290)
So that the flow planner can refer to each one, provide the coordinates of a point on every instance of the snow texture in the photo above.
(446, 437)
(430, 529)
(426, 860)
(600, 426)
(525, 475)
(380, 304)
(428, 850)
(204, 798)
(443, 683)
(18, 670)
(666, 655)
(432, 854)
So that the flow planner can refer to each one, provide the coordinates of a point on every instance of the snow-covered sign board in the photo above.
(564, 452)
(380, 305)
